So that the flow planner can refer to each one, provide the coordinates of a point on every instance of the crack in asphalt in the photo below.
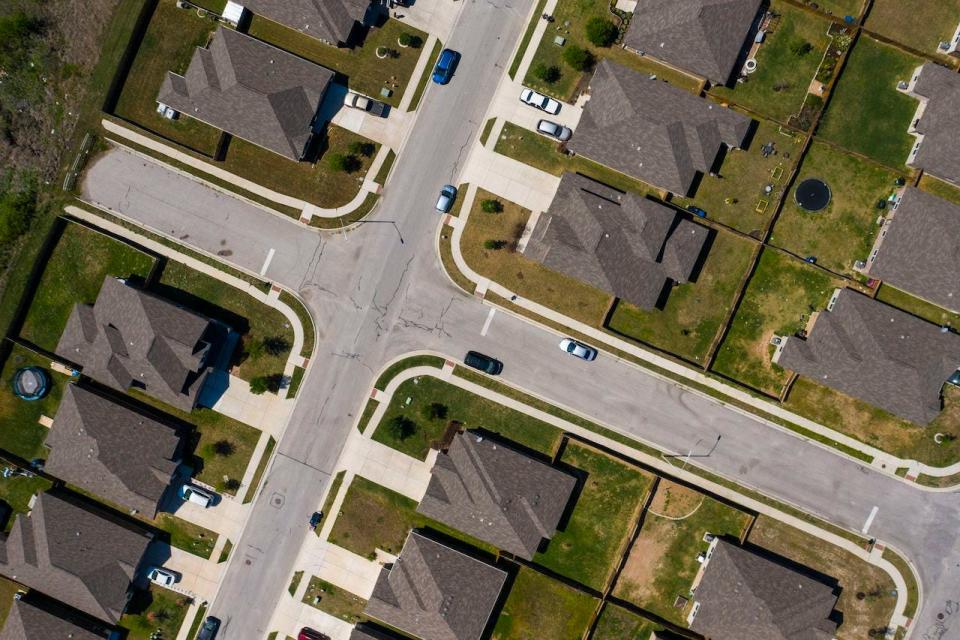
(383, 308)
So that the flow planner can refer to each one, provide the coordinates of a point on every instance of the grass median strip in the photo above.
(407, 363)
(306, 321)
(525, 40)
(261, 468)
(425, 76)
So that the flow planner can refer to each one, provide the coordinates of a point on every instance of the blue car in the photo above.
(445, 66)
(697, 211)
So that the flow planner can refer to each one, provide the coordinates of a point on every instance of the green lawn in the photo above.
(539, 607)
(616, 623)
(154, 613)
(266, 335)
(18, 491)
(8, 590)
(527, 36)
(261, 469)
(784, 69)
(186, 535)
(926, 310)
(425, 77)
(694, 312)
(779, 299)
(663, 560)
(374, 517)
(22, 434)
(308, 329)
(867, 114)
(77, 267)
(922, 24)
(470, 410)
(841, 8)
(736, 197)
(844, 232)
(393, 370)
(331, 599)
(940, 188)
(589, 548)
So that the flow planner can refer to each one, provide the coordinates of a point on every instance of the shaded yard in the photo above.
(17, 491)
(844, 232)
(920, 25)
(331, 599)
(940, 188)
(779, 299)
(22, 435)
(616, 623)
(187, 535)
(539, 607)
(154, 613)
(8, 589)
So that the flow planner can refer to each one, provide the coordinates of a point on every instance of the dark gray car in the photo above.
(483, 362)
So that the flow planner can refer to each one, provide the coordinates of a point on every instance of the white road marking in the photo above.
(486, 325)
(866, 525)
(266, 263)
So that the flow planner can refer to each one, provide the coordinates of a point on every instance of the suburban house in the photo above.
(876, 353)
(935, 124)
(434, 592)
(366, 632)
(74, 555)
(917, 249)
(129, 338)
(112, 451)
(496, 494)
(704, 37)
(622, 243)
(332, 21)
(653, 131)
(253, 91)
(29, 621)
(741, 594)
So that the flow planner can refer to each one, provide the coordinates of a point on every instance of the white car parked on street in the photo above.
(578, 349)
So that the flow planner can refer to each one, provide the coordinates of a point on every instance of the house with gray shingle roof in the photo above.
(252, 90)
(434, 592)
(75, 555)
(742, 594)
(496, 494)
(366, 632)
(935, 125)
(653, 131)
(878, 354)
(129, 338)
(29, 621)
(331, 21)
(622, 243)
(919, 247)
(705, 37)
(112, 451)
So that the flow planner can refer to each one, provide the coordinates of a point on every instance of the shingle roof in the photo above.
(435, 592)
(702, 36)
(111, 451)
(879, 354)
(496, 494)
(744, 595)
(624, 244)
(921, 250)
(364, 632)
(129, 337)
(73, 555)
(652, 130)
(329, 20)
(252, 90)
(27, 621)
(939, 123)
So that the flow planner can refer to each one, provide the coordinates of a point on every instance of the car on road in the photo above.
(161, 576)
(540, 101)
(309, 634)
(578, 349)
(196, 495)
(446, 65)
(315, 519)
(697, 211)
(554, 130)
(483, 362)
(448, 194)
(209, 628)
(363, 103)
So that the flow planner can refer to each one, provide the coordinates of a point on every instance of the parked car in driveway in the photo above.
(448, 195)
(363, 103)
(309, 634)
(446, 65)
(554, 130)
(209, 628)
(482, 362)
(196, 495)
(578, 349)
(161, 576)
(540, 101)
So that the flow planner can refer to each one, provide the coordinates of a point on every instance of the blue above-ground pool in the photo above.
(31, 383)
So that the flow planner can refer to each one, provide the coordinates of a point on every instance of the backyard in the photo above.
(841, 8)
(154, 613)
(940, 188)
(867, 114)
(779, 299)
(844, 232)
(919, 25)
(22, 434)
(616, 623)
(663, 561)
(539, 607)
(331, 599)
(588, 549)
(18, 491)
(921, 308)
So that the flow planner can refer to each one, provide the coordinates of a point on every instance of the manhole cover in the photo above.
(276, 500)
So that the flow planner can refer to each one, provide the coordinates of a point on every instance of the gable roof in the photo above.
(74, 555)
(129, 337)
(879, 354)
(496, 494)
(365, 632)
(701, 36)
(27, 621)
(111, 451)
(744, 595)
(622, 243)
(328, 20)
(435, 592)
(921, 249)
(652, 130)
(939, 124)
(251, 89)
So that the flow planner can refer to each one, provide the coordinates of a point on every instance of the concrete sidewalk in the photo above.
(515, 181)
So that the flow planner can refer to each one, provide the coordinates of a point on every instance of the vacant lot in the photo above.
(782, 294)
(663, 560)
(22, 434)
(786, 63)
(844, 232)
(921, 24)
(867, 114)
(616, 623)
(154, 613)
(539, 607)
(590, 546)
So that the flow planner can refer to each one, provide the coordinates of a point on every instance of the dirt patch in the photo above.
(636, 580)
(674, 501)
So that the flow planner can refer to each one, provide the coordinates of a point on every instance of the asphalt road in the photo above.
(378, 291)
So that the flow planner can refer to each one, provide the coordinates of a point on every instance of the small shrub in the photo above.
(276, 345)
(262, 384)
(410, 40)
(579, 58)
(602, 32)
(491, 205)
(344, 163)
(548, 74)
(364, 149)
(801, 48)
(231, 484)
(401, 427)
(223, 448)
(434, 411)
(494, 245)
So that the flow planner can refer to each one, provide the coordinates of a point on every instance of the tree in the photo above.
(223, 448)
(494, 245)
(434, 411)
(345, 163)
(401, 427)
(409, 40)
(579, 58)
(276, 345)
(262, 384)
(548, 74)
(491, 205)
(358, 148)
(602, 32)
(801, 48)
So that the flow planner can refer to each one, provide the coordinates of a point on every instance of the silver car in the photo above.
(578, 349)
(540, 101)
(554, 130)
(447, 196)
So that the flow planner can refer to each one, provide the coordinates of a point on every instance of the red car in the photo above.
(309, 634)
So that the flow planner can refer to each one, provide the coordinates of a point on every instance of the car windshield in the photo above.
(571, 347)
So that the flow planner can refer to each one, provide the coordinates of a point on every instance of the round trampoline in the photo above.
(30, 383)
(813, 194)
